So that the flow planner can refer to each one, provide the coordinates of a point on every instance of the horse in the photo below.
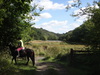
(25, 53)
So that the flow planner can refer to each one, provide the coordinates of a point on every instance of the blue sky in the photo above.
(54, 17)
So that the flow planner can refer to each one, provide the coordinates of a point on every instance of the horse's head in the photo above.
(11, 47)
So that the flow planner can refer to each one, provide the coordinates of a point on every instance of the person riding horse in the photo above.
(29, 53)
(20, 46)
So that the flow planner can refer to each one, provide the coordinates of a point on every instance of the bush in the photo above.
(6, 68)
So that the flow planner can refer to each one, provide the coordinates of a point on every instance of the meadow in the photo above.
(52, 48)
(49, 49)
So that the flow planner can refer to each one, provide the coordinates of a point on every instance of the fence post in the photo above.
(71, 55)
(45, 47)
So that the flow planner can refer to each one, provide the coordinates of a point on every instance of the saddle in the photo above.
(22, 53)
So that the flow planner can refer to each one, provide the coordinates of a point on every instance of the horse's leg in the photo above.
(33, 59)
(27, 60)
(15, 60)
(12, 60)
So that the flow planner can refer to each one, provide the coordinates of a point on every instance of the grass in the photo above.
(49, 49)
(52, 48)
(6, 68)
(76, 71)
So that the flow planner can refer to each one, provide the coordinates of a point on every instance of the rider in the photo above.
(20, 46)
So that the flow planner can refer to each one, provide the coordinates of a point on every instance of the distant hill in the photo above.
(79, 35)
(42, 34)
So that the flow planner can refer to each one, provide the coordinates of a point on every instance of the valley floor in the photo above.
(48, 68)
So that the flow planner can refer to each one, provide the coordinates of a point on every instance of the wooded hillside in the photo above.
(42, 34)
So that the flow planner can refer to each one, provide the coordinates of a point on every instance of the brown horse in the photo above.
(25, 53)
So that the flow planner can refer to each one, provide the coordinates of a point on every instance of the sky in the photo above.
(55, 18)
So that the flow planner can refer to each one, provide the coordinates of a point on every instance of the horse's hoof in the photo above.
(26, 64)
(15, 64)
(33, 64)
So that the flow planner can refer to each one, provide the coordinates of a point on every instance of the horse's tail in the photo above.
(33, 58)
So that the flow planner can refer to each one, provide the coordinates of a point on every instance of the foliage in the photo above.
(89, 31)
(6, 68)
(78, 35)
(42, 34)
(14, 20)
(95, 31)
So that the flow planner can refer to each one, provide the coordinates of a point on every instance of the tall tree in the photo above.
(94, 24)
(14, 19)
(95, 30)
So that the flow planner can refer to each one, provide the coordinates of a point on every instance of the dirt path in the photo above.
(49, 68)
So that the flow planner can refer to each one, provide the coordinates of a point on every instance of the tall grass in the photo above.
(45, 48)
(8, 68)
(52, 48)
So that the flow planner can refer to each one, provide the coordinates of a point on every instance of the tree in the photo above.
(42, 34)
(93, 23)
(14, 20)
(95, 30)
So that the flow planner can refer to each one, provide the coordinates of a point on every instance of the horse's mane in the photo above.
(12, 47)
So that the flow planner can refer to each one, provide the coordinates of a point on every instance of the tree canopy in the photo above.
(14, 20)
(89, 31)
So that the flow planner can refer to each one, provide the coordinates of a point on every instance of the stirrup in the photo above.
(18, 55)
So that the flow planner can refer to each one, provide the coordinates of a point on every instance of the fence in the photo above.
(75, 53)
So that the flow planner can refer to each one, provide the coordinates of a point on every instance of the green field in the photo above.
(46, 49)
(52, 48)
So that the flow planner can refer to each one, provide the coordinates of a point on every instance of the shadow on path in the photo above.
(45, 68)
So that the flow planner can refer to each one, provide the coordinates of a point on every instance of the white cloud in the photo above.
(47, 4)
(58, 26)
(81, 16)
(74, 25)
(42, 16)
(72, 1)
(45, 15)
(36, 19)
(54, 26)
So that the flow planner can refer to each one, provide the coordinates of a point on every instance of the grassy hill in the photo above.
(42, 34)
